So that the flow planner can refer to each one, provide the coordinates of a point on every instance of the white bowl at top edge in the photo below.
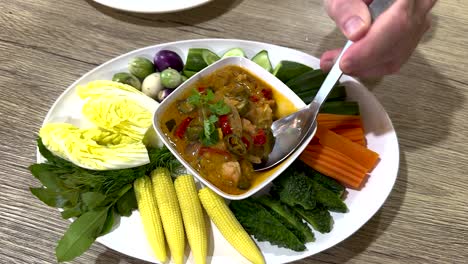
(262, 74)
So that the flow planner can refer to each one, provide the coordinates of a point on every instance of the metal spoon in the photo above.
(292, 130)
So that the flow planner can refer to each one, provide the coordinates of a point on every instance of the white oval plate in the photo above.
(129, 237)
(152, 6)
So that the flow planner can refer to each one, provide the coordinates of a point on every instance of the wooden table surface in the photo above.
(46, 45)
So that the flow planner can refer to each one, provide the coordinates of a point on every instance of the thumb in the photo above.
(351, 16)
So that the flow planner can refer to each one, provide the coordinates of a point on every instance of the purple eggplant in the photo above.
(163, 94)
(168, 59)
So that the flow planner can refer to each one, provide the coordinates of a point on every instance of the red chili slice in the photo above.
(224, 124)
(201, 89)
(260, 137)
(267, 93)
(254, 98)
(246, 142)
(182, 128)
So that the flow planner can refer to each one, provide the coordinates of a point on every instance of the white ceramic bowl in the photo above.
(262, 74)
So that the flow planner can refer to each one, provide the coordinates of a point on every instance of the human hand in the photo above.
(383, 47)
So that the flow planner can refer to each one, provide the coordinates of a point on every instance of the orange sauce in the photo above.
(283, 107)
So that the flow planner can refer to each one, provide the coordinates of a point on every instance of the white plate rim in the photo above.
(383, 195)
(152, 6)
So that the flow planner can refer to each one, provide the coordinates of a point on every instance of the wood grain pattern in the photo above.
(46, 45)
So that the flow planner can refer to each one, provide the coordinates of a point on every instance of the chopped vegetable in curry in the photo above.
(222, 127)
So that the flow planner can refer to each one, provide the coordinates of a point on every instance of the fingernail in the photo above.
(353, 26)
(327, 64)
(346, 66)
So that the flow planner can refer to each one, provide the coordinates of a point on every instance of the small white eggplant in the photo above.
(152, 85)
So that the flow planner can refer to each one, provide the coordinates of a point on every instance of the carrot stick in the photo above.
(353, 134)
(361, 142)
(345, 169)
(360, 154)
(332, 121)
(338, 124)
(335, 156)
(325, 169)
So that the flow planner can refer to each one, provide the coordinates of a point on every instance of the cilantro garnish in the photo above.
(220, 108)
(210, 133)
(210, 112)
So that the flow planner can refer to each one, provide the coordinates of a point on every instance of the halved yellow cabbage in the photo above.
(122, 116)
(96, 89)
(93, 148)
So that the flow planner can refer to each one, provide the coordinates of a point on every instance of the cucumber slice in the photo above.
(263, 60)
(234, 52)
(287, 70)
(188, 73)
(209, 57)
(195, 61)
(341, 108)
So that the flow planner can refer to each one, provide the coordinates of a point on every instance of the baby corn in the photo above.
(171, 217)
(228, 225)
(150, 216)
(192, 214)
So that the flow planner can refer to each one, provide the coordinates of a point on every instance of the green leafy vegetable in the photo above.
(71, 212)
(86, 228)
(294, 188)
(92, 199)
(126, 203)
(47, 176)
(327, 182)
(258, 222)
(111, 219)
(329, 199)
(288, 218)
(319, 218)
(96, 198)
(81, 234)
(299, 193)
(55, 198)
(62, 174)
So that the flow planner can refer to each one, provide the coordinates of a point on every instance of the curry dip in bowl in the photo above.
(218, 123)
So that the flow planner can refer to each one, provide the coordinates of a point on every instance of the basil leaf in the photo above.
(55, 198)
(92, 199)
(81, 234)
(46, 174)
(111, 220)
(72, 212)
(126, 203)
